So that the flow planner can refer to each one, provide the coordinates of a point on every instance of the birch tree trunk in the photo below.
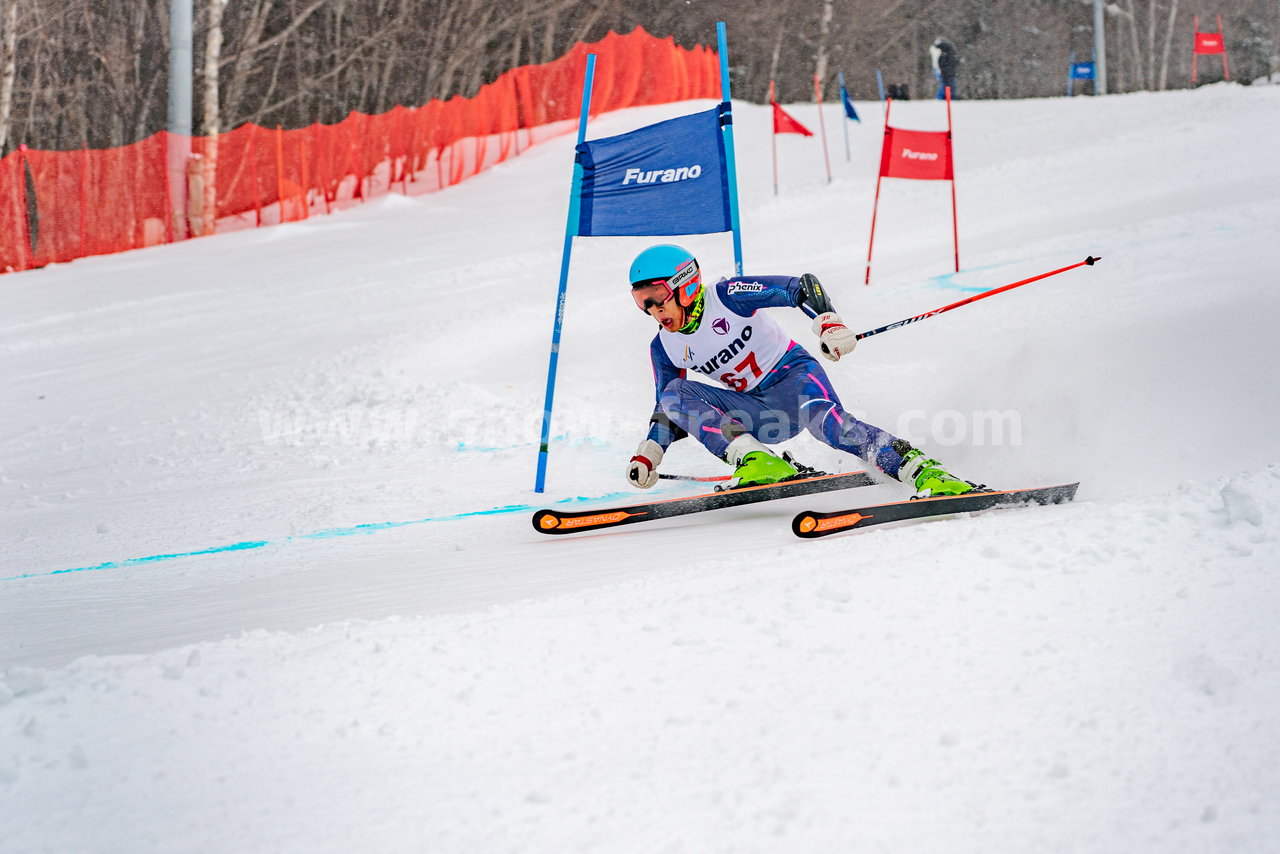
(1168, 44)
(8, 65)
(1139, 70)
(1151, 44)
(824, 34)
(212, 117)
(773, 62)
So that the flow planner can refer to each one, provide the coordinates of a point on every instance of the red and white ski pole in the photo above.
(703, 479)
(1090, 261)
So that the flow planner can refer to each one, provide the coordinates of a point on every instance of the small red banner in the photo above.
(784, 123)
(1209, 43)
(921, 155)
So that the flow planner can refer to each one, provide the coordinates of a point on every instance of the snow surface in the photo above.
(268, 580)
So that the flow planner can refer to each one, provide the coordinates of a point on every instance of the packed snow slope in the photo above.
(268, 581)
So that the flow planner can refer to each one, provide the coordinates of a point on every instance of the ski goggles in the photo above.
(654, 293)
(651, 295)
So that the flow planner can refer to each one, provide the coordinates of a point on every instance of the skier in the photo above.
(774, 387)
(945, 63)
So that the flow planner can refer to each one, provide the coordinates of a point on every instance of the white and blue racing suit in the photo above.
(773, 387)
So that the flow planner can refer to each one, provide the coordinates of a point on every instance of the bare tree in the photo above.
(8, 64)
(1148, 65)
(212, 123)
(824, 34)
(1163, 82)
(87, 72)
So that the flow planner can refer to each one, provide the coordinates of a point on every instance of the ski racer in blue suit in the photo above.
(772, 387)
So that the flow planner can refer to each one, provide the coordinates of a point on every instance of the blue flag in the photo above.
(1083, 71)
(667, 178)
(849, 111)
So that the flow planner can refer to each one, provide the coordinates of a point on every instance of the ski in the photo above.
(813, 523)
(559, 522)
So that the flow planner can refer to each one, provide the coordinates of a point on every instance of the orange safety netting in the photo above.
(60, 205)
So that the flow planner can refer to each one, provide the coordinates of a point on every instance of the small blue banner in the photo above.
(849, 111)
(667, 178)
(1082, 71)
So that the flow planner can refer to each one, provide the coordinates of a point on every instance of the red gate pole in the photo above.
(257, 188)
(280, 170)
(252, 154)
(1195, 46)
(169, 222)
(362, 157)
(306, 179)
(27, 254)
(1226, 75)
(406, 147)
(325, 146)
(875, 206)
(84, 198)
(951, 161)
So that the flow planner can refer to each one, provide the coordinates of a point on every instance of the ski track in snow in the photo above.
(377, 667)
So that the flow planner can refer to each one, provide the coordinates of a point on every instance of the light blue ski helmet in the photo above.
(673, 265)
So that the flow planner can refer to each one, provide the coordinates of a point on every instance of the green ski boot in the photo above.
(753, 465)
(928, 477)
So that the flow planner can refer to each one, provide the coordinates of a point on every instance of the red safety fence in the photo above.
(60, 205)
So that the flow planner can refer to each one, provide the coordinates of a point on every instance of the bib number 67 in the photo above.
(735, 380)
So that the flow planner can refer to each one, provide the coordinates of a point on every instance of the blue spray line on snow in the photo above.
(561, 438)
(367, 528)
(948, 280)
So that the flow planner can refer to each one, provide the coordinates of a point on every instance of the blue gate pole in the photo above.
(880, 84)
(1071, 72)
(571, 229)
(844, 94)
(722, 44)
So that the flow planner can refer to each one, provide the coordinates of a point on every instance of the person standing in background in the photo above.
(944, 66)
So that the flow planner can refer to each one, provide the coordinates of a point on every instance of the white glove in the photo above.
(837, 339)
(642, 471)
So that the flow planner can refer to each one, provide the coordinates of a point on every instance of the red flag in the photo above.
(783, 123)
(1209, 43)
(920, 154)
